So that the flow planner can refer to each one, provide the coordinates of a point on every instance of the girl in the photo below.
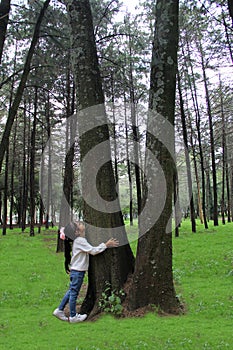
(78, 266)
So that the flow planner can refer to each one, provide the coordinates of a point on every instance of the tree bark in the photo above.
(153, 279)
(113, 265)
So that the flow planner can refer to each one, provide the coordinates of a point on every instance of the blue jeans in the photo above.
(76, 280)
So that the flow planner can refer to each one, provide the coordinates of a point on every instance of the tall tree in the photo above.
(115, 265)
(152, 279)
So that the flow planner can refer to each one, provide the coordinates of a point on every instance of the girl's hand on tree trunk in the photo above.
(112, 243)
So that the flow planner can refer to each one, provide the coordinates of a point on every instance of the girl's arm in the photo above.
(88, 248)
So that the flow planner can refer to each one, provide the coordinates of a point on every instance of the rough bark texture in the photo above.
(153, 280)
(113, 265)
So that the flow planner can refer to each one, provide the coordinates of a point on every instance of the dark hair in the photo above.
(71, 233)
(70, 230)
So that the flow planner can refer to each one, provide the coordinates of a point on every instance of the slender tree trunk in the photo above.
(193, 89)
(5, 193)
(135, 130)
(214, 174)
(209, 201)
(4, 18)
(41, 208)
(113, 265)
(228, 193)
(200, 210)
(114, 136)
(231, 192)
(32, 167)
(228, 188)
(19, 93)
(14, 146)
(49, 193)
(12, 190)
(224, 156)
(176, 200)
(128, 166)
(225, 171)
(153, 280)
(223, 180)
(25, 172)
(71, 127)
(1, 222)
(187, 158)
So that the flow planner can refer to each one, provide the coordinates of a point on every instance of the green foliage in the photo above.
(111, 300)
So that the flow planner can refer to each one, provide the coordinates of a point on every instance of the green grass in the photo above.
(33, 281)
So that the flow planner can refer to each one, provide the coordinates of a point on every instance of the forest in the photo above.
(110, 115)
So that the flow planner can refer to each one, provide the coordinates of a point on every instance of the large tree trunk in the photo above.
(153, 279)
(114, 265)
(4, 17)
(19, 93)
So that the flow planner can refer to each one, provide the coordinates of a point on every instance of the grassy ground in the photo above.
(33, 282)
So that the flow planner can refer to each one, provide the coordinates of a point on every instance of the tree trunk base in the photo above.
(168, 305)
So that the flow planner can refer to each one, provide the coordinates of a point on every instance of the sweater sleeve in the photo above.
(88, 248)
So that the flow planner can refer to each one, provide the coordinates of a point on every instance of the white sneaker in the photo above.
(60, 314)
(78, 318)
